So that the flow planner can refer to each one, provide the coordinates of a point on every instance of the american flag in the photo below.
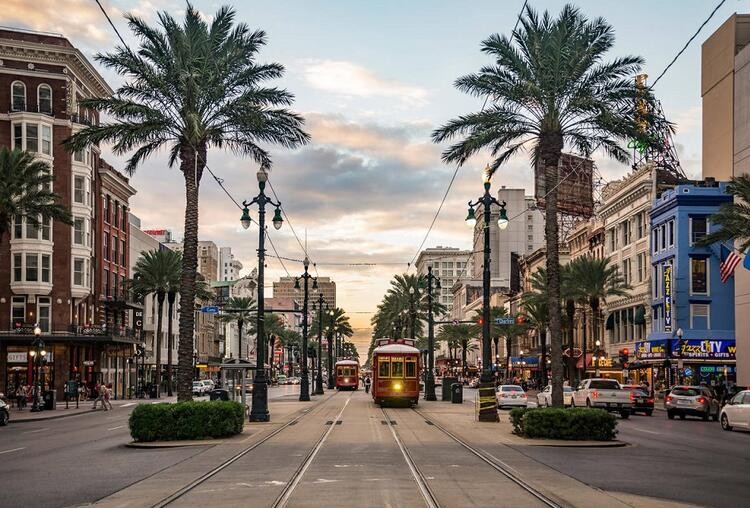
(726, 269)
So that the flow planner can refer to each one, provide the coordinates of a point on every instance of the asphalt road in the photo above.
(690, 461)
(79, 459)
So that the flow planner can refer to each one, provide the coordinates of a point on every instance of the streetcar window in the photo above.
(397, 369)
(411, 369)
(384, 368)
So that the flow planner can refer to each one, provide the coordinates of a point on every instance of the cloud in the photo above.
(350, 79)
(81, 21)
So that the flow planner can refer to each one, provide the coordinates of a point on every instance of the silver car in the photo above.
(511, 395)
(685, 401)
(544, 398)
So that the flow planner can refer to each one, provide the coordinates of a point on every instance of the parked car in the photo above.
(4, 411)
(736, 413)
(643, 402)
(603, 393)
(209, 384)
(199, 388)
(544, 398)
(685, 401)
(511, 395)
(248, 386)
(281, 379)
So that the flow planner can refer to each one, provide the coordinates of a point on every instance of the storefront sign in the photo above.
(704, 349)
(88, 363)
(716, 369)
(668, 298)
(17, 357)
(651, 349)
(138, 320)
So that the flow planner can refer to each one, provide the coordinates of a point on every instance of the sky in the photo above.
(372, 80)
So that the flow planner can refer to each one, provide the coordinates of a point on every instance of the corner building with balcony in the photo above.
(48, 275)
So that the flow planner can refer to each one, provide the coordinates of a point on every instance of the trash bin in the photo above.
(153, 392)
(219, 394)
(457, 393)
(447, 382)
(49, 397)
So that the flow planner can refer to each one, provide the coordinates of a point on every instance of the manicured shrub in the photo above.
(574, 424)
(186, 420)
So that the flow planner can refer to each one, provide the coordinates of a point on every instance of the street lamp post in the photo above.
(487, 403)
(429, 382)
(259, 410)
(680, 363)
(329, 339)
(304, 384)
(598, 357)
(319, 374)
(37, 354)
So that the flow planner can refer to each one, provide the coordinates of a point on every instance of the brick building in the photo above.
(48, 275)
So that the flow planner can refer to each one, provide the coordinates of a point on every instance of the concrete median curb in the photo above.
(52, 417)
(572, 444)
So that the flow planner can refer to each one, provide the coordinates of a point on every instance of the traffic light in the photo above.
(520, 319)
(624, 357)
(480, 321)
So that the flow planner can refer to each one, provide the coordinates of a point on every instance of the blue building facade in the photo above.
(692, 338)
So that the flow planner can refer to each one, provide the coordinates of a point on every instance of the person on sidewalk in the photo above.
(107, 396)
(99, 392)
(367, 383)
(21, 397)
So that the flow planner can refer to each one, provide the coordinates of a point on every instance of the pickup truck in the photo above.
(603, 394)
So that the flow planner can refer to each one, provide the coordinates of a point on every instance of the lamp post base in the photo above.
(304, 388)
(259, 411)
(319, 386)
(487, 408)
(429, 388)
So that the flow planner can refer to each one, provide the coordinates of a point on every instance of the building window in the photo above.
(626, 271)
(641, 266)
(78, 156)
(700, 316)
(46, 268)
(78, 267)
(32, 230)
(18, 311)
(699, 276)
(88, 274)
(114, 249)
(105, 282)
(530, 227)
(79, 189)
(116, 214)
(32, 137)
(123, 219)
(698, 229)
(17, 269)
(106, 209)
(78, 230)
(612, 240)
(44, 313)
(655, 241)
(663, 237)
(44, 99)
(105, 246)
(639, 229)
(46, 228)
(529, 247)
(626, 233)
(122, 252)
(46, 139)
(18, 96)
(670, 234)
(18, 136)
(32, 267)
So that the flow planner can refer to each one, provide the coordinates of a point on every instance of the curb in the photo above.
(573, 444)
(53, 417)
(175, 444)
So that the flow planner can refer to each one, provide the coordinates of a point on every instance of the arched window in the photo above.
(18, 94)
(44, 99)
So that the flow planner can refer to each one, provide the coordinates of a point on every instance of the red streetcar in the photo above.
(395, 369)
(347, 375)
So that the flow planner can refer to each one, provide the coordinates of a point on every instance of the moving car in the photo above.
(544, 398)
(4, 411)
(209, 384)
(685, 401)
(199, 388)
(736, 413)
(511, 395)
(603, 393)
(642, 401)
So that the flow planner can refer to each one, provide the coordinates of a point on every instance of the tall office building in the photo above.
(229, 267)
(284, 288)
(449, 264)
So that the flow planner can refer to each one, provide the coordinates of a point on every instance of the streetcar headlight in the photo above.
(346, 380)
(397, 386)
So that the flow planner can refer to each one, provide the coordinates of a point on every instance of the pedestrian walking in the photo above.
(107, 396)
(99, 392)
(21, 396)
(367, 384)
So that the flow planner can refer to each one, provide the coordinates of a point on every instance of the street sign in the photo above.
(505, 321)
(210, 309)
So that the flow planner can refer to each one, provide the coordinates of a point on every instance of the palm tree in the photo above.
(548, 87)
(461, 336)
(537, 318)
(733, 218)
(240, 310)
(596, 280)
(187, 88)
(25, 192)
(156, 273)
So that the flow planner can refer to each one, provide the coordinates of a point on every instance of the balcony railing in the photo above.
(76, 118)
(74, 330)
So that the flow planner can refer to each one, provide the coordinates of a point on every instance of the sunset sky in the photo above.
(373, 79)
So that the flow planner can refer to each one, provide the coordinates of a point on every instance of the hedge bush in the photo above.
(575, 424)
(186, 420)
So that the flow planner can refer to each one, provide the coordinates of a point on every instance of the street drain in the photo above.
(429, 422)
(339, 422)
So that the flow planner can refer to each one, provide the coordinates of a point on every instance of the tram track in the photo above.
(497, 464)
(318, 408)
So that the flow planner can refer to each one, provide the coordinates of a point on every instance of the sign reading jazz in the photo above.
(651, 349)
(705, 349)
(668, 298)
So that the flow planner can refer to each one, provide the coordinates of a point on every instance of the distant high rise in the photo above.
(449, 264)
(229, 267)
(284, 288)
(208, 260)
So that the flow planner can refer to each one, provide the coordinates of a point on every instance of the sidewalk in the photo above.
(85, 407)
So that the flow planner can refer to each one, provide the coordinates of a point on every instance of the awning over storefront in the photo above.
(686, 349)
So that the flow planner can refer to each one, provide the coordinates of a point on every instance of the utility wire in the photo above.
(679, 53)
(286, 217)
(112, 24)
(277, 253)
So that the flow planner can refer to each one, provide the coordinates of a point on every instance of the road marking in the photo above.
(647, 431)
(115, 428)
(37, 430)
(129, 404)
(13, 450)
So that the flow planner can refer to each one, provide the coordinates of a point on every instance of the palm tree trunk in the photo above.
(170, 300)
(570, 310)
(240, 324)
(508, 363)
(543, 339)
(583, 343)
(191, 165)
(159, 324)
(551, 148)
(463, 357)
